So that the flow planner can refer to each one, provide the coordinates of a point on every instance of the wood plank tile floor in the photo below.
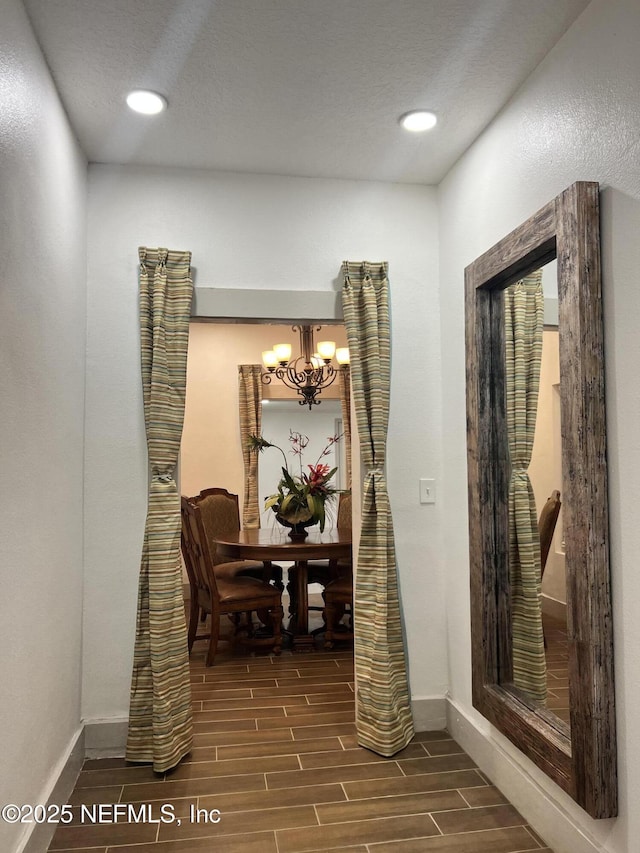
(557, 659)
(275, 753)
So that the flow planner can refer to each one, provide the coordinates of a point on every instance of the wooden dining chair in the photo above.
(225, 594)
(338, 595)
(221, 518)
(324, 571)
(547, 525)
(546, 528)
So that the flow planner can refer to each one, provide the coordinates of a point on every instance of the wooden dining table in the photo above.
(273, 545)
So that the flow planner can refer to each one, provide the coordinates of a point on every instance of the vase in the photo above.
(297, 529)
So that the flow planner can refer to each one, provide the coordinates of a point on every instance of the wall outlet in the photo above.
(427, 491)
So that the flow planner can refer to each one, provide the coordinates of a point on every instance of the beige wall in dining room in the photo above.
(211, 452)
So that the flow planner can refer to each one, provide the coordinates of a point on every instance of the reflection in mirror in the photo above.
(536, 562)
(281, 416)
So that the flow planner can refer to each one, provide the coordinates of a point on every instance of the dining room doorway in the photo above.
(211, 450)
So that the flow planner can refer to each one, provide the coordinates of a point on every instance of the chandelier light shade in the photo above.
(311, 371)
(326, 349)
(282, 353)
(269, 359)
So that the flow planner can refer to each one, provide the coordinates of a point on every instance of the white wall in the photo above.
(254, 232)
(42, 350)
(576, 118)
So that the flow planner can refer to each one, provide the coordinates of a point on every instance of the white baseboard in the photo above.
(553, 607)
(56, 792)
(551, 812)
(94, 739)
(105, 738)
(429, 713)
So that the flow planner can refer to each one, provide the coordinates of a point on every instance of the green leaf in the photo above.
(286, 476)
(316, 508)
(257, 443)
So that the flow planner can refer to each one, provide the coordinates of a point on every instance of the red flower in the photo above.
(318, 472)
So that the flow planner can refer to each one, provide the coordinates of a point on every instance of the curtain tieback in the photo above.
(165, 477)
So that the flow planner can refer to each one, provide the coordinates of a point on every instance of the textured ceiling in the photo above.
(293, 87)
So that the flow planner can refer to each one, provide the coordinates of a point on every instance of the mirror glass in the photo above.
(536, 553)
(279, 417)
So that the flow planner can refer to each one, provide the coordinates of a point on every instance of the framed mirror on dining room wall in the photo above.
(540, 589)
(281, 417)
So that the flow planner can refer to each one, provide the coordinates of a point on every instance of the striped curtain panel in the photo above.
(160, 723)
(524, 318)
(383, 712)
(345, 402)
(250, 401)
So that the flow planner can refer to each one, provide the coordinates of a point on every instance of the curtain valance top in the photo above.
(365, 267)
(163, 257)
(365, 273)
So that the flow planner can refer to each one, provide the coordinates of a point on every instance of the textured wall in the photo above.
(254, 232)
(42, 337)
(577, 118)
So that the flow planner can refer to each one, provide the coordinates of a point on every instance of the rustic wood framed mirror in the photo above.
(578, 751)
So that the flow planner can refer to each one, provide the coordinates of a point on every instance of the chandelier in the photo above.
(311, 371)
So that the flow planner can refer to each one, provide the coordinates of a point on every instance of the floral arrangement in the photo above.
(301, 497)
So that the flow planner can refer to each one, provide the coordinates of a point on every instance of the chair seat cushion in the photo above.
(241, 588)
(234, 567)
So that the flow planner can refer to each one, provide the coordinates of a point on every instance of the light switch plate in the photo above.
(427, 491)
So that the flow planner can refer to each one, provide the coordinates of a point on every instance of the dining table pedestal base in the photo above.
(301, 639)
(273, 546)
(303, 643)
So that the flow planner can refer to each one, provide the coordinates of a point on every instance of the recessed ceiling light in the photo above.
(143, 101)
(418, 120)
